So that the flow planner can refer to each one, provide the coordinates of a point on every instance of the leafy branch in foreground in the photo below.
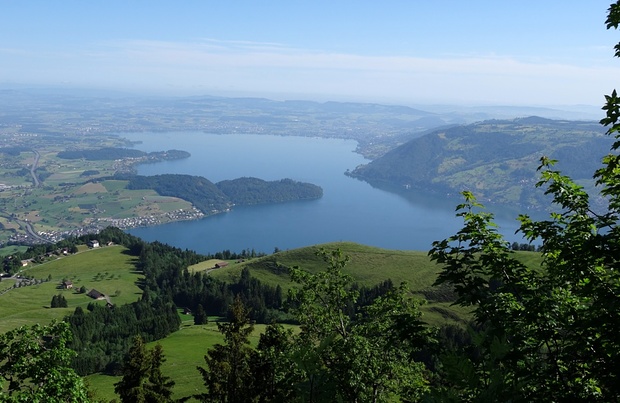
(35, 363)
(368, 358)
(550, 333)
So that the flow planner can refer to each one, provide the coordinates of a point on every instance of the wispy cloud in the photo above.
(256, 66)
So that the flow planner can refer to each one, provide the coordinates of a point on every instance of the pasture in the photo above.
(109, 270)
(368, 266)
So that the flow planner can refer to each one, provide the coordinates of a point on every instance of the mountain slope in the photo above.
(496, 159)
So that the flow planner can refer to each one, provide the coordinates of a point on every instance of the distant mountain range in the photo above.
(495, 159)
(377, 128)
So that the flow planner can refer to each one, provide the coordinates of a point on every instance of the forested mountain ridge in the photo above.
(249, 191)
(212, 198)
(495, 159)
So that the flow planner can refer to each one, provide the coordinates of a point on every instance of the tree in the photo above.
(368, 358)
(54, 303)
(143, 381)
(272, 377)
(159, 387)
(548, 333)
(35, 363)
(227, 374)
(135, 371)
(12, 264)
(200, 316)
(59, 301)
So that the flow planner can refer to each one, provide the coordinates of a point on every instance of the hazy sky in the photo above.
(509, 52)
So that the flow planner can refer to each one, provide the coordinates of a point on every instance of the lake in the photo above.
(350, 210)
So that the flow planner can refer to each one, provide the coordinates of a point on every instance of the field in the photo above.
(72, 194)
(207, 265)
(109, 270)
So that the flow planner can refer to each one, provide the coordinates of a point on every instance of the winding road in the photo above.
(33, 168)
(30, 230)
(25, 224)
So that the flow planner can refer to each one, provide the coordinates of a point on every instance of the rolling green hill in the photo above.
(368, 267)
(109, 270)
(495, 159)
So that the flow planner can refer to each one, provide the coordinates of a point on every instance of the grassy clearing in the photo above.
(368, 265)
(109, 270)
(91, 187)
(206, 265)
(10, 249)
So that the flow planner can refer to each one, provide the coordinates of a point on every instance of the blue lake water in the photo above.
(350, 210)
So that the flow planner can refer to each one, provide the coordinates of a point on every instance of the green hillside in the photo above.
(368, 266)
(109, 270)
(495, 159)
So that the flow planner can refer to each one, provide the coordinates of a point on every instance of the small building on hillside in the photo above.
(219, 265)
(93, 244)
(95, 294)
(67, 285)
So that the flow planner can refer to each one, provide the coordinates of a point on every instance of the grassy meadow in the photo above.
(108, 270)
(368, 266)
(184, 351)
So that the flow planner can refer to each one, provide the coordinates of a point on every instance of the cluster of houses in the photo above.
(152, 220)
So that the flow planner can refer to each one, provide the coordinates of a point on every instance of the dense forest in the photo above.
(199, 191)
(249, 191)
(13, 151)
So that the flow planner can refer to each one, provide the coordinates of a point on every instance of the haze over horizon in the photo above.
(479, 52)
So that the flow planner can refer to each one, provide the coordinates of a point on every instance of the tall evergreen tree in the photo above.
(200, 316)
(272, 366)
(54, 303)
(143, 381)
(159, 387)
(135, 371)
(227, 374)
